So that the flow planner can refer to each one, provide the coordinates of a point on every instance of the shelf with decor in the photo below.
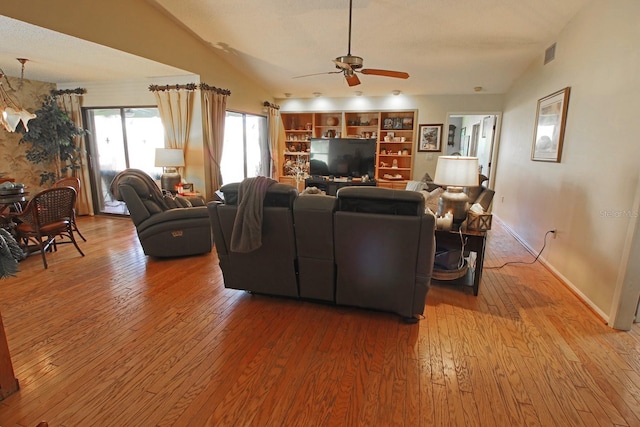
(394, 132)
(361, 124)
(396, 144)
(327, 125)
(295, 146)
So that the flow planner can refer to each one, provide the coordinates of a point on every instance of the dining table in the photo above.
(12, 200)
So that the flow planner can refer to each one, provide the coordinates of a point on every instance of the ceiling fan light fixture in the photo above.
(10, 112)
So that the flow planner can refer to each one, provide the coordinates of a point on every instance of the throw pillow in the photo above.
(431, 198)
(183, 202)
(312, 190)
(171, 203)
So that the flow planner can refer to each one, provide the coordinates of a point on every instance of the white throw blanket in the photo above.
(246, 235)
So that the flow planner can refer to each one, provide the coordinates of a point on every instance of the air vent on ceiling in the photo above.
(549, 54)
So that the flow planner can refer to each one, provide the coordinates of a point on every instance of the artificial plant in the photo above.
(10, 254)
(51, 137)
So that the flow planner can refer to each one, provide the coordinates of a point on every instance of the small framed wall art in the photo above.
(430, 137)
(551, 117)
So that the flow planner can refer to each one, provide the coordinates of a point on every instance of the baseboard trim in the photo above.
(566, 282)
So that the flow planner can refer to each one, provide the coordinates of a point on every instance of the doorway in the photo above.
(474, 135)
(245, 151)
(121, 138)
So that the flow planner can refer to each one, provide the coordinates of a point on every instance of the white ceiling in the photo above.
(447, 47)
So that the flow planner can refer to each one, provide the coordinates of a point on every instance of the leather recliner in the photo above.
(384, 249)
(270, 269)
(166, 227)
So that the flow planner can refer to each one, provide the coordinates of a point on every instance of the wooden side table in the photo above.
(475, 242)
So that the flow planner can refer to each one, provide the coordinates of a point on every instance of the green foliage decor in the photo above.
(10, 254)
(51, 135)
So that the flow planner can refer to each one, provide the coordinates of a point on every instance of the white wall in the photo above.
(589, 196)
(431, 109)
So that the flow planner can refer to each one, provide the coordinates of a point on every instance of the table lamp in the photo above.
(169, 159)
(454, 173)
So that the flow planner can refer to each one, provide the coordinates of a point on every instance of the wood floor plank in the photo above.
(118, 338)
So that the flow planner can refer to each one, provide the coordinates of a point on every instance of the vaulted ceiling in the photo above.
(447, 47)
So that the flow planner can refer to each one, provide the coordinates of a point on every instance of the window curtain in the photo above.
(175, 105)
(214, 102)
(70, 101)
(274, 129)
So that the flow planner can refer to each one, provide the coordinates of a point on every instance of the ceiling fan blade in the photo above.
(316, 74)
(352, 80)
(385, 73)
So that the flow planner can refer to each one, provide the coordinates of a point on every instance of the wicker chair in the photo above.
(48, 214)
(74, 183)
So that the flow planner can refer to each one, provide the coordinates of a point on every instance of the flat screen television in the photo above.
(342, 157)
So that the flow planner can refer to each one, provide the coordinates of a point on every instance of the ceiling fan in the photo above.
(349, 64)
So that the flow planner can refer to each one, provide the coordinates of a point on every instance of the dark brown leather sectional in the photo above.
(368, 247)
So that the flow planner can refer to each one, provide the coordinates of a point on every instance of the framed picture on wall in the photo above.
(551, 117)
(430, 137)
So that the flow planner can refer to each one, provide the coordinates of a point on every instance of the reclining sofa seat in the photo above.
(163, 230)
(270, 269)
(384, 249)
(366, 247)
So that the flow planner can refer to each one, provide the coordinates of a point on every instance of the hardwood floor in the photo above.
(118, 339)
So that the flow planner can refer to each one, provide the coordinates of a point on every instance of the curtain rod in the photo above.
(189, 86)
(158, 88)
(76, 91)
(268, 104)
(204, 86)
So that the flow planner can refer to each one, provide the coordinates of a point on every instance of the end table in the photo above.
(475, 242)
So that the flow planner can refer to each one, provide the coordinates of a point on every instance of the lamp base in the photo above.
(454, 200)
(169, 181)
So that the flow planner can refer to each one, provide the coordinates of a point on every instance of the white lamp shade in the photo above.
(169, 157)
(457, 171)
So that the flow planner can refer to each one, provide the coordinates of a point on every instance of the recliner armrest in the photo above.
(181, 214)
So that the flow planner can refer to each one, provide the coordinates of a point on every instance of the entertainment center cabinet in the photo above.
(394, 132)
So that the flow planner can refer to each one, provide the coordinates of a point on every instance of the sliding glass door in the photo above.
(121, 138)
(245, 152)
